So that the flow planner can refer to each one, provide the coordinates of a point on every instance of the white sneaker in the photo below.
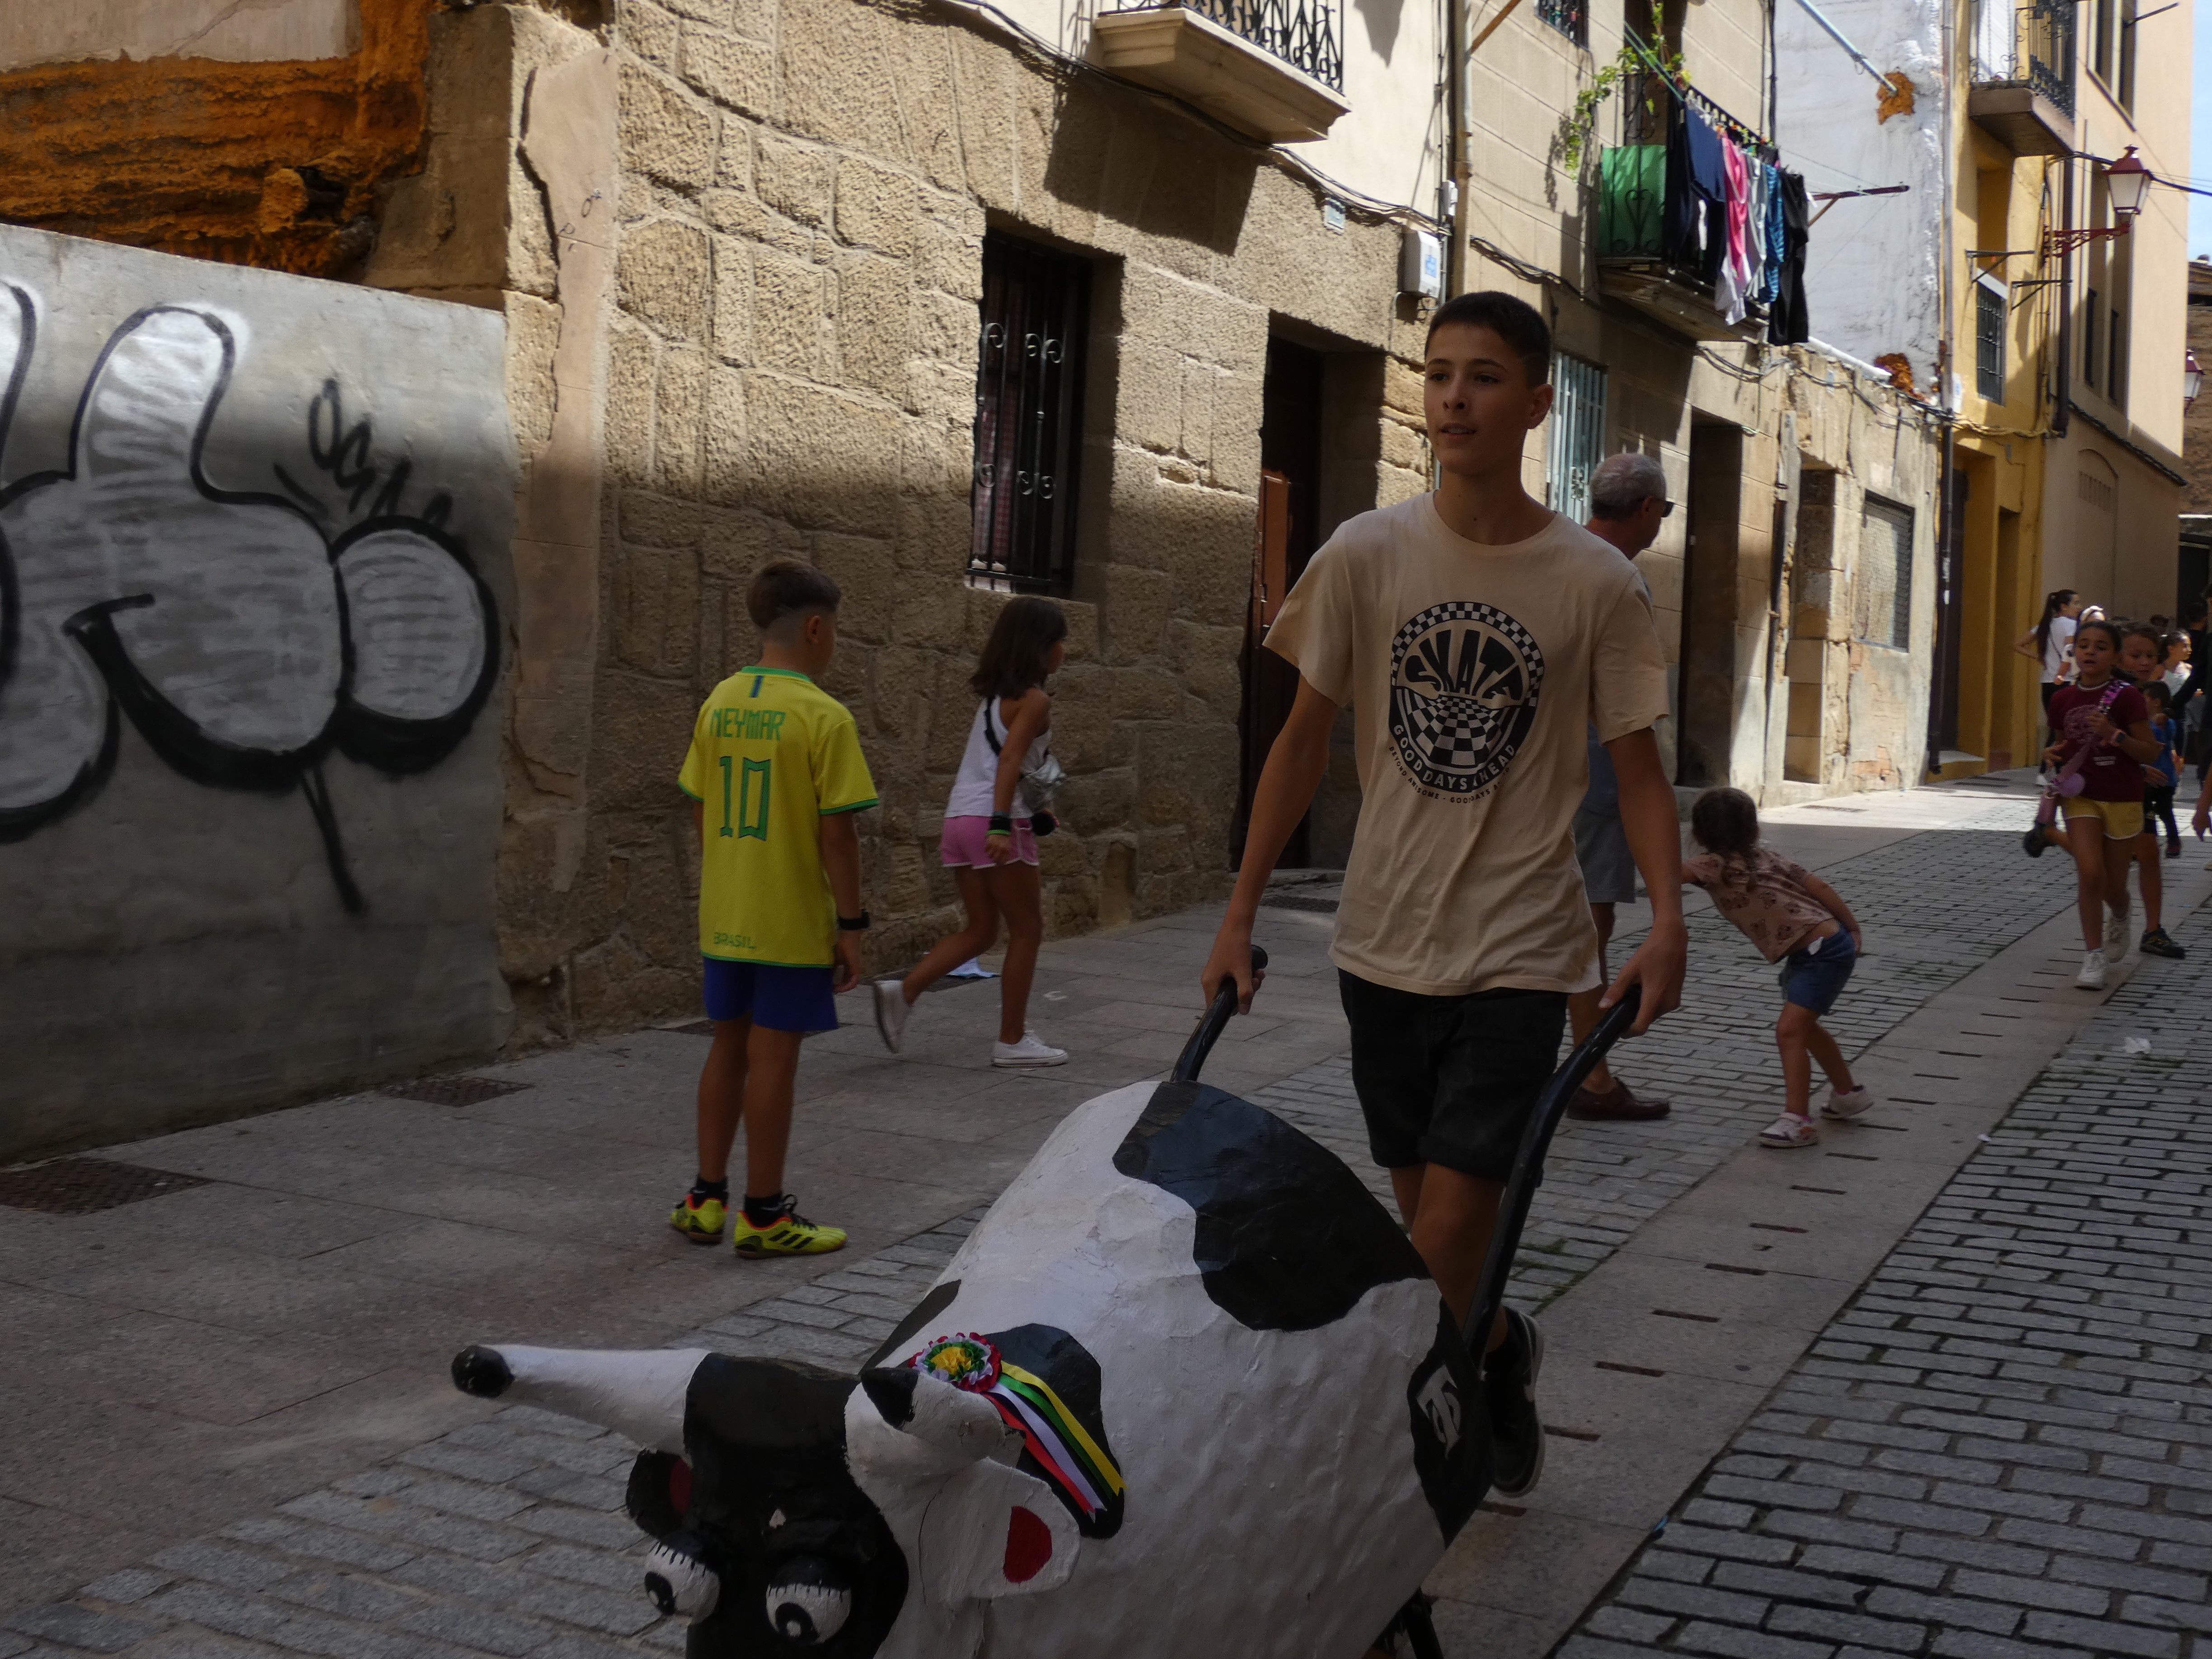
(2119, 923)
(2092, 976)
(1848, 1103)
(891, 1009)
(1029, 1051)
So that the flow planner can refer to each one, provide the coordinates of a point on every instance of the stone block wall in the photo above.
(803, 186)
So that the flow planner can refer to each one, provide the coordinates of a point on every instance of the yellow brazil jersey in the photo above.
(771, 755)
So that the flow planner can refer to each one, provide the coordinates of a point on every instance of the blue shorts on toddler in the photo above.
(1813, 975)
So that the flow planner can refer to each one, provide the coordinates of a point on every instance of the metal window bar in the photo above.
(1989, 312)
(1576, 441)
(1304, 33)
(1570, 17)
(2030, 45)
(1884, 578)
(1028, 399)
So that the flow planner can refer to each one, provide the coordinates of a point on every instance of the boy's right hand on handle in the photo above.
(1232, 959)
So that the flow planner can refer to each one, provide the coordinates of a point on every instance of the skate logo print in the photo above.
(1464, 679)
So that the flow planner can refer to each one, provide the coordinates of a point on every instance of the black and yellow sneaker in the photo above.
(2157, 942)
(699, 1219)
(788, 1234)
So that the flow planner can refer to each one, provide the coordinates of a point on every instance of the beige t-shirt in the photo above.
(1474, 673)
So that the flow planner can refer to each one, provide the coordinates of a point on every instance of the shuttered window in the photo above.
(1883, 604)
(1578, 437)
(1036, 320)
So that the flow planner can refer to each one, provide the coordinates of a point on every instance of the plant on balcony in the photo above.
(1579, 124)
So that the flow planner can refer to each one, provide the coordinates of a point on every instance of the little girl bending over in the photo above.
(990, 834)
(1799, 920)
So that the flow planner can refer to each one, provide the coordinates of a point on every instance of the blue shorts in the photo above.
(775, 999)
(1814, 975)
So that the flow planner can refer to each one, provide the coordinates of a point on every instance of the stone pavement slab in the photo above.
(535, 1215)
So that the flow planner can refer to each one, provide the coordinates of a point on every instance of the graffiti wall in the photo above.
(254, 544)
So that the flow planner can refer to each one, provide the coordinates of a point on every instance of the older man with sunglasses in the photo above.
(1628, 501)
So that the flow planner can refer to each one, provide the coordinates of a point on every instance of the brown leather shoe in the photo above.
(1616, 1105)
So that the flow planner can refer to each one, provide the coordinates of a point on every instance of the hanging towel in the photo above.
(1733, 277)
(1789, 325)
(1754, 231)
(1777, 236)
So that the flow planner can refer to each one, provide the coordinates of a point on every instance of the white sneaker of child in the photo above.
(1791, 1130)
(891, 1009)
(2119, 923)
(1029, 1051)
(2092, 976)
(1848, 1103)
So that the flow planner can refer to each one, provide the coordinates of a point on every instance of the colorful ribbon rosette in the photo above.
(1056, 1440)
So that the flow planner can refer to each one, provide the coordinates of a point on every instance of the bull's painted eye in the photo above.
(806, 1603)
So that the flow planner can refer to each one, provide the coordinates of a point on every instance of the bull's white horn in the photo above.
(679, 1586)
(638, 1392)
(963, 1427)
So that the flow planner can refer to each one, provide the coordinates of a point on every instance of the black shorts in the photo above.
(1450, 1080)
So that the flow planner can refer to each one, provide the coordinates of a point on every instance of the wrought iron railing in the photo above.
(1304, 33)
(2030, 45)
(1570, 17)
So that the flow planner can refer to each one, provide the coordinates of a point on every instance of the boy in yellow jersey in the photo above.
(775, 776)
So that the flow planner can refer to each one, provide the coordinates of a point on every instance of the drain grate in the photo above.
(85, 1185)
(460, 1090)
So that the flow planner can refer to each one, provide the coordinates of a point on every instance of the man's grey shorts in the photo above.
(1601, 845)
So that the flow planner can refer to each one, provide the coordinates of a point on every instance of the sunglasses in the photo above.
(1666, 509)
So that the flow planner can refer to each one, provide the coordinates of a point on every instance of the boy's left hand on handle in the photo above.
(845, 974)
(1657, 967)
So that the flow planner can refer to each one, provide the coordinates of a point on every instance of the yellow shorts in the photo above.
(2122, 819)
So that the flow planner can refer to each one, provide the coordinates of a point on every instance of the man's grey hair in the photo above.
(1621, 482)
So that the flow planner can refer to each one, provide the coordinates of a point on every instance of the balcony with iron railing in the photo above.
(1274, 69)
(2021, 60)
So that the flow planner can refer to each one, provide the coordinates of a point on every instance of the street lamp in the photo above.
(2127, 181)
(2192, 380)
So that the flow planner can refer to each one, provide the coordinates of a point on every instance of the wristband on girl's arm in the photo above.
(1002, 823)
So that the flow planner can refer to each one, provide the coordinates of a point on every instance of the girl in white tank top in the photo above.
(989, 841)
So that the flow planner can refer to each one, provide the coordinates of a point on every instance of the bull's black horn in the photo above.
(891, 1389)
(481, 1371)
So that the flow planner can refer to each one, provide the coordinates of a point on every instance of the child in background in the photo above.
(2142, 660)
(2158, 796)
(989, 841)
(2102, 719)
(774, 775)
(1799, 920)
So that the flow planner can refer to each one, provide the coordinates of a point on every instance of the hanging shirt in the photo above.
(1734, 279)
(1789, 325)
(1697, 182)
(1754, 230)
(1776, 235)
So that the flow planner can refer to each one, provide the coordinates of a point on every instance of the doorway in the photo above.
(1286, 537)
(1710, 603)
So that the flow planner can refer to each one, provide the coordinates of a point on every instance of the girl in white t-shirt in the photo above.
(2049, 644)
(989, 841)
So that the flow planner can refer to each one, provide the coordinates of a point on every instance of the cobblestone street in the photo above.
(1995, 1445)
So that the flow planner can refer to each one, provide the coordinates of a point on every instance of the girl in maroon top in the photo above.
(2143, 660)
(2103, 719)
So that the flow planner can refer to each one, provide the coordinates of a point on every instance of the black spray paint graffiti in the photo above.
(244, 639)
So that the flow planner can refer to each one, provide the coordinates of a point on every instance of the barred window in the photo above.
(1883, 591)
(1570, 17)
(1990, 339)
(1036, 321)
(1577, 436)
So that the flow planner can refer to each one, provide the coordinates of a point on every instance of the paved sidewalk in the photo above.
(281, 1444)
(2003, 1448)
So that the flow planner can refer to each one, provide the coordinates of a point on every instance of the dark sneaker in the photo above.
(2159, 943)
(1619, 1104)
(2033, 841)
(1509, 1378)
(2174, 847)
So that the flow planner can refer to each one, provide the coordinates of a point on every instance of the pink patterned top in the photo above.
(1768, 901)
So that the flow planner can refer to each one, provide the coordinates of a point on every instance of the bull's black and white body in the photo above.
(1281, 1428)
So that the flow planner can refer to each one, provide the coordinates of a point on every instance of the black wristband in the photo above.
(1002, 823)
(854, 924)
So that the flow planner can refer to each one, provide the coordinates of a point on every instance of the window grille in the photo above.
(1576, 443)
(1570, 17)
(1028, 402)
(1990, 308)
(1304, 33)
(1883, 592)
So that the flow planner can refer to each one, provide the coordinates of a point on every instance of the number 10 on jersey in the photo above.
(751, 792)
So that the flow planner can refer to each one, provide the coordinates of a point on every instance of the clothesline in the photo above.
(1747, 138)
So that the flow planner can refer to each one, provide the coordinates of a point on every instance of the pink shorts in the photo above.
(963, 842)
